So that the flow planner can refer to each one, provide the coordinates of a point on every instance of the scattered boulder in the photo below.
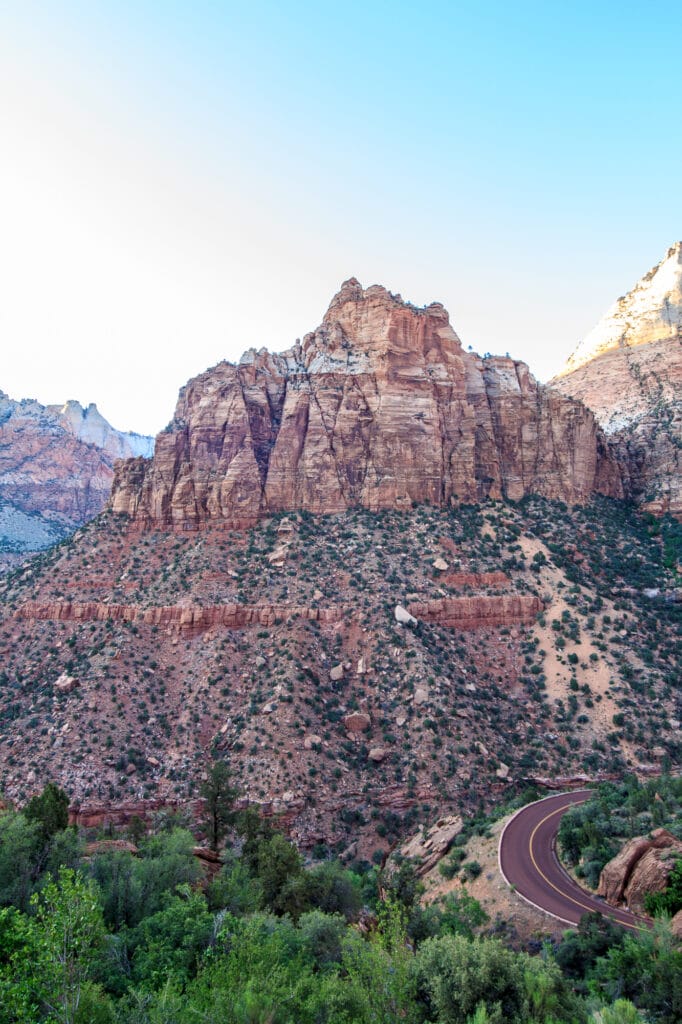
(311, 741)
(357, 721)
(65, 683)
(336, 673)
(421, 695)
(403, 616)
(427, 847)
(210, 856)
(277, 557)
(378, 754)
(503, 771)
(441, 565)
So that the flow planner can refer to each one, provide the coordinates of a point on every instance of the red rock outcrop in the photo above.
(478, 612)
(429, 846)
(460, 580)
(628, 370)
(642, 866)
(380, 407)
(99, 815)
(190, 620)
(616, 874)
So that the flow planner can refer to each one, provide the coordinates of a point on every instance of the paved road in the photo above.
(528, 862)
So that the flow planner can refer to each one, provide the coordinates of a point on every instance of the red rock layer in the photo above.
(190, 620)
(380, 408)
(479, 612)
(474, 579)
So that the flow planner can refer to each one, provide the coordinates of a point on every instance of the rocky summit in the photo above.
(628, 370)
(380, 407)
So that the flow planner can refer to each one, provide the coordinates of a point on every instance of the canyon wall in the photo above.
(380, 407)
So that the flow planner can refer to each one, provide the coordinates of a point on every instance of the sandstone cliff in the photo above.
(56, 468)
(463, 613)
(628, 370)
(380, 407)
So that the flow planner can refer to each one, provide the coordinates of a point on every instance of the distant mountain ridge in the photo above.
(628, 370)
(56, 468)
(90, 426)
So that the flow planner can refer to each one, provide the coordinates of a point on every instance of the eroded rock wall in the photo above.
(379, 407)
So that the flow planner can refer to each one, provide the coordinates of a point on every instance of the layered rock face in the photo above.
(56, 469)
(628, 370)
(380, 407)
(642, 866)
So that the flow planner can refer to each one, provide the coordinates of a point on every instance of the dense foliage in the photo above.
(592, 833)
(116, 933)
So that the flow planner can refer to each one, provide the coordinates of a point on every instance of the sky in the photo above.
(180, 182)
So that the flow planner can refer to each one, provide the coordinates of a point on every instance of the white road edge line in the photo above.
(552, 796)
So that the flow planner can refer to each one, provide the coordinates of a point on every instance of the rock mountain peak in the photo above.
(628, 370)
(650, 312)
(378, 407)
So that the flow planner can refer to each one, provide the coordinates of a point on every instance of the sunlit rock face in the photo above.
(628, 370)
(379, 407)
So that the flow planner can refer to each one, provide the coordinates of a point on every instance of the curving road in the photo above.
(528, 861)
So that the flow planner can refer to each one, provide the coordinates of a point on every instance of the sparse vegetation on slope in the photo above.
(351, 724)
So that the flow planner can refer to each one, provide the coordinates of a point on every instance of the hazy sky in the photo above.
(182, 181)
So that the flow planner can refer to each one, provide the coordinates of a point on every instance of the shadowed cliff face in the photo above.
(380, 407)
(628, 370)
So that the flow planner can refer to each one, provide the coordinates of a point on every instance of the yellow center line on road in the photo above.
(567, 896)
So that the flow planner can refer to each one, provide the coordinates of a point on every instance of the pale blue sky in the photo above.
(180, 181)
